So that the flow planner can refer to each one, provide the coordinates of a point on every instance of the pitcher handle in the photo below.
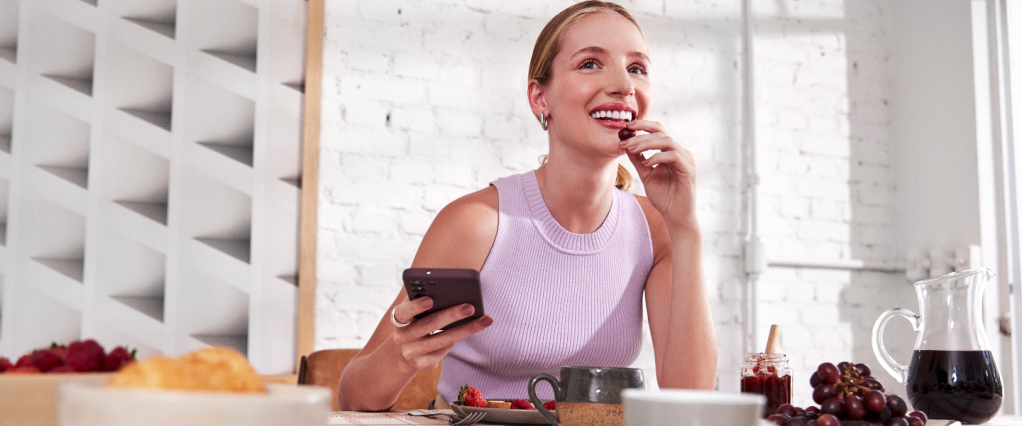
(898, 370)
(535, 400)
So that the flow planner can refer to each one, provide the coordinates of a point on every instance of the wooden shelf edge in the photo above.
(310, 181)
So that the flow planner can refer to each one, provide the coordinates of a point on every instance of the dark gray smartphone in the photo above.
(447, 287)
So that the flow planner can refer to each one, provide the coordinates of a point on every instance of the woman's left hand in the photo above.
(671, 185)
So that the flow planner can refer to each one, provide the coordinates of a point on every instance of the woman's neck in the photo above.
(578, 191)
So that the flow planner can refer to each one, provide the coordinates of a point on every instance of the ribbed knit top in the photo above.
(556, 298)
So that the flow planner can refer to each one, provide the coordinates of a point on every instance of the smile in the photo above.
(612, 115)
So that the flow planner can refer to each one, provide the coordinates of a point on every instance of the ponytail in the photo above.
(624, 179)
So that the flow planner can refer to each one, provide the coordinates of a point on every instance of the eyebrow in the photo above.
(596, 50)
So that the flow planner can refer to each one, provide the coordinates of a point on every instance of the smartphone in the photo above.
(447, 287)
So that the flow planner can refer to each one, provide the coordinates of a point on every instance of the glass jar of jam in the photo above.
(768, 375)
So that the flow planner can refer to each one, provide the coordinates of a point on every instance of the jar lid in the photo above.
(774, 358)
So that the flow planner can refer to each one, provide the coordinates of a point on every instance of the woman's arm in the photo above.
(459, 237)
(684, 339)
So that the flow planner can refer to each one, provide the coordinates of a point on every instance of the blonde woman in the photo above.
(564, 253)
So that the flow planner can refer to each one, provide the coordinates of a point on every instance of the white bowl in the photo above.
(691, 408)
(93, 404)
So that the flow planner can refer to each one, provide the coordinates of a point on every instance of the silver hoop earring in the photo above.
(543, 121)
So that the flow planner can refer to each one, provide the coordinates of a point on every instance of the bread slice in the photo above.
(498, 404)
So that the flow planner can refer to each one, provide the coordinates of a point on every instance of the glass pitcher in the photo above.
(952, 373)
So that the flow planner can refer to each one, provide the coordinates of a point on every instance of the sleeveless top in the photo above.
(557, 298)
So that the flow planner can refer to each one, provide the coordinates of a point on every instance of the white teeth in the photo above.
(613, 115)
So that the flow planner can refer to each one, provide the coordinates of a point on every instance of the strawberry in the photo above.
(471, 397)
(59, 350)
(521, 404)
(24, 361)
(28, 369)
(46, 360)
(62, 369)
(117, 358)
(5, 364)
(549, 405)
(86, 356)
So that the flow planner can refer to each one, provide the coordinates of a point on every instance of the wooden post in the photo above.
(310, 182)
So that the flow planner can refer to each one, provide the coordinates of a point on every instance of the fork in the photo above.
(453, 419)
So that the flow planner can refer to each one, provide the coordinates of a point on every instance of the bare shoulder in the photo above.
(462, 233)
(657, 229)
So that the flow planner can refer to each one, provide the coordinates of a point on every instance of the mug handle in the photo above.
(899, 371)
(535, 400)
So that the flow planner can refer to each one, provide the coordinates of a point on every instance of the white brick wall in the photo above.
(425, 102)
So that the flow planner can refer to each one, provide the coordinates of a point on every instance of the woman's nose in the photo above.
(620, 83)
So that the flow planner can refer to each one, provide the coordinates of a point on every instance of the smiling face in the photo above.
(599, 80)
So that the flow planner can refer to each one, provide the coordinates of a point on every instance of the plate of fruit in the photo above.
(85, 356)
(848, 396)
(519, 411)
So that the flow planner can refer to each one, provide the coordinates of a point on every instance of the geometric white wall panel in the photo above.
(150, 157)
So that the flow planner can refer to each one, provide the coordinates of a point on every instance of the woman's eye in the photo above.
(589, 64)
(637, 69)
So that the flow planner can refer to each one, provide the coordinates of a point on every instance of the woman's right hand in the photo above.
(418, 345)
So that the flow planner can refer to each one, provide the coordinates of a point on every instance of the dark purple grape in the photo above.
(824, 391)
(813, 410)
(778, 419)
(897, 405)
(921, 415)
(854, 408)
(833, 406)
(915, 421)
(811, 423)
(787, 410)
(874, 401)
(885, 415)
(827, 420)
(625, 133)
(797, 421)
(828, 372)
(815, 380)
(853, 423)
(863, 369)
(799, 410)
(844, 366)
(897, 421)
(872, 383)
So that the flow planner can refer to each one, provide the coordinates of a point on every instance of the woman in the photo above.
(563, 254)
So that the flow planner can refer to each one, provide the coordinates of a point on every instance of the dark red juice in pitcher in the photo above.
(961, 385)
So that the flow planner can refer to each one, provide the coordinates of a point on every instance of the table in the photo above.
(1005, 420)
(389, 418)
(400, 418)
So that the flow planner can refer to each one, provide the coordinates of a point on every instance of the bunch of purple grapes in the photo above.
(848, 396)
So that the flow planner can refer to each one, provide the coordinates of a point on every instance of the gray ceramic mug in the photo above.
(589, 396)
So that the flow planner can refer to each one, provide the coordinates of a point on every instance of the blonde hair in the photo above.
(549, 43)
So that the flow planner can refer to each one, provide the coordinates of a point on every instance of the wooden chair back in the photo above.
(323, 368)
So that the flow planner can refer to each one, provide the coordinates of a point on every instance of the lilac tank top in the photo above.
(556, 298)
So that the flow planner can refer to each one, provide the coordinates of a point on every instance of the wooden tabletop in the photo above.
(401, 418)
(397, 418)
